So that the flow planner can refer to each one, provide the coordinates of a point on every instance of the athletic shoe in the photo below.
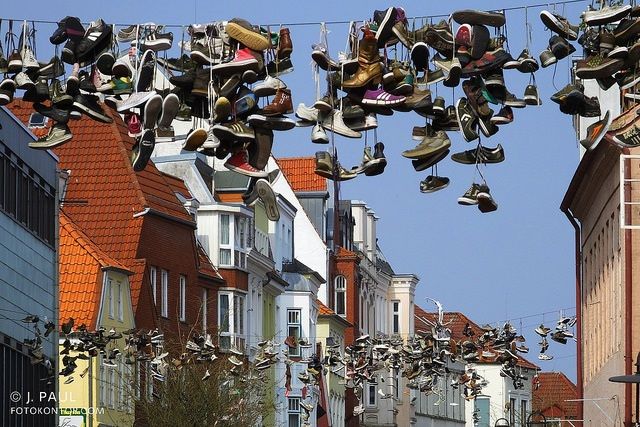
(105, 62)
(597, 66)
(531, 96)
(243, 60)
(15, 62)
(481, 154)
(318, 135)
(242, 31)
(23, 81)
(433, 183)
(7, 90)
(238, 162)
(152, 111)
(117, 86)
(504, 116)
(467, 120)
(146, 69)
(426, 162)
(97, 36)
(143, 150)
(595, 132)
(278, 123)
(68, 27)
(170, 107)
(156, 41)
(52, 69)
(134, 127)
(334, 122)
(134, 100)
(381, 97)
(128, 34)
(560, 47)
(470, 197)
(420, 56)
(486, 202)
(476, 17)
(29, 61)
(547, 58)
(559, 24)
(268, 86)
(433, 143)
(606, 15)
(628, 138)
(385, 20)
(58, 135)
(233, 131)
(59, 115)
(195, 139)
(88, 104)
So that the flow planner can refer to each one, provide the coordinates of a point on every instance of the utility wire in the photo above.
(311, 23)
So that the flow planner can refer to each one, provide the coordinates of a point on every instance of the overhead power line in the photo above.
(314, 23)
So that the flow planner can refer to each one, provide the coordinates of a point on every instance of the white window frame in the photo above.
(153, 276)
(372, 395)
(340, 293)
(236, 318)
(293, 324)
(293, 408)
(120, 302)
(225, 246)
(164, 305)
(110, 298)
(183, 298)
(205, 306)
(395, 317)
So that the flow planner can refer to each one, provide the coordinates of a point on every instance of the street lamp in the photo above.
(502, 422)
(632, 379)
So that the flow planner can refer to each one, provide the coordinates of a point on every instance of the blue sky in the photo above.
(507, 265)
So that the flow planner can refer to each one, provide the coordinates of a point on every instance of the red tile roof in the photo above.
(456, 321)
(550, 398)
(299, 171)
(104, 194)
(177, 185)
(323, 310)
(81, 264)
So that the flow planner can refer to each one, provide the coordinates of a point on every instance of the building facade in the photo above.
(28, 269)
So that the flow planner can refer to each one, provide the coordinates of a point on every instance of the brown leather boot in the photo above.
(370, 69)
(285, 46)
(281, 104)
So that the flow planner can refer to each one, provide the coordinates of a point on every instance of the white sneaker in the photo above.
(134, 100)
(268, 86)
(29, 60)
(319, 136)
(370, 121)
(307, 114)
(23, 81)
(333, 122)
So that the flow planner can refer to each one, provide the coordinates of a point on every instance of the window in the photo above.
(205, 301)
(224, 257)
(26, 197)
(164, 278)
(110, 297)
(241, 240)
(371, 394)
(396, 317)
(152, 279)
(37, 120)
(512, 411)
(183, 291)
(340, 295)
(294, 412)
(294, 328)
(119, 296)
(231, 317)
(481, 411)
(523, 413)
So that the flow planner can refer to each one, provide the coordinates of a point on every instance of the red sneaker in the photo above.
(239, 163)
(243, 61)
(134, 127)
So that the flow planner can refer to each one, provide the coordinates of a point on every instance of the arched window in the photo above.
(340, 295)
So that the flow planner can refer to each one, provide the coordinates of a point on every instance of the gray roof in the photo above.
(297, 266)
(381, 262)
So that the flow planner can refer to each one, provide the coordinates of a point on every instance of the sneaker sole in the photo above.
(152, 111)
(145, 150)
(195, 139)
(552, 23)
(606, 18)
(124, 106)
(434, 189)
(237, 66)
(422, 164)
(497, 120)
(93, 114)
(465, 201)
(475, 17)
(468, 138)
(248, 38)
(254, 174)
(630, 83)
(264, 91)
(157, 45)
(202, 59)
(266, 194)
(272, 123)
(604, 70)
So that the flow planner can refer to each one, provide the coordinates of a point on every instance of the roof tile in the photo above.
(555, 388)
(300, 172)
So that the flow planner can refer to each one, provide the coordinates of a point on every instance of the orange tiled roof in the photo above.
(323, 310)
(554, 389)
(177, 185)
(231, 197)
(205, 266)
(456, 321)
(299, 171)
(81, 263)
(104, 193)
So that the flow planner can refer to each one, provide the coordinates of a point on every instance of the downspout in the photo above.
(578, 262)
(628, 305)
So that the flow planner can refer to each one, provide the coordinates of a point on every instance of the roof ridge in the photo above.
(103, 258)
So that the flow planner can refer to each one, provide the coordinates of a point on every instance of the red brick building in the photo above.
(139, 221)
